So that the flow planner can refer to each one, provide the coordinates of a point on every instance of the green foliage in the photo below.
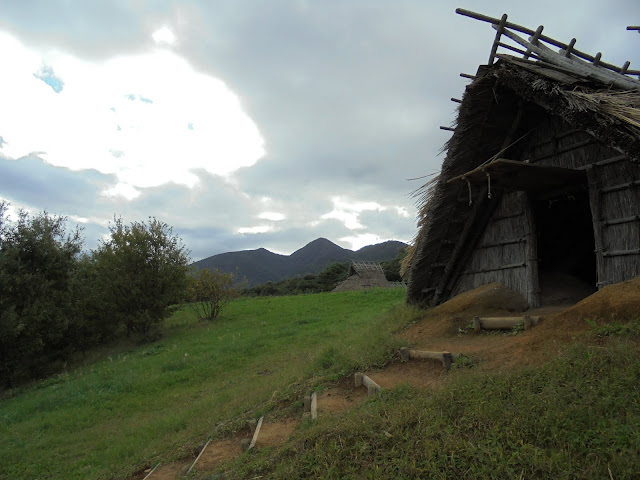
(210, 291)
(392, 267)
(616, 328)
(325, 281)
(37, 301)
(143, 269)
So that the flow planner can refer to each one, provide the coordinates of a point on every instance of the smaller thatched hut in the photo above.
(364, 275)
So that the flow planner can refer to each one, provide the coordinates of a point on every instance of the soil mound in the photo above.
(614, 303)
(490, 299)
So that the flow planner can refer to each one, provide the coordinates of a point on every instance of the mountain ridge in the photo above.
(260, 265)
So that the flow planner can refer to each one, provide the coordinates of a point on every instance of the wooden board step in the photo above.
(445, 357)
(504, 323)
(310, 407)
(372, 387)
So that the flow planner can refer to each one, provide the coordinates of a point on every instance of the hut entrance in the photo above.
(567, 262)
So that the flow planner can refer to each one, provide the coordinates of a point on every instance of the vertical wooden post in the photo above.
(531, 255)
(594, 203)
(499, 30)
(477, 326)
(313, 408)
(447, 360)
(404, 354)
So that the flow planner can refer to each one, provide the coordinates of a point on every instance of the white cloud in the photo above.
(356, 242)
(403, 212)
(348, 211)
(273, 216)
(122, 190)
(254, 230)
(164, 35)
(150, 119)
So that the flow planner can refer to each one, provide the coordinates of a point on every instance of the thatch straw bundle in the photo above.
(622, 105)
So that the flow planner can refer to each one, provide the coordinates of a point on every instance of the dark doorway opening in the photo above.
(567, 262)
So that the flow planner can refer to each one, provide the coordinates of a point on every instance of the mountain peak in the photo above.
(261, 265)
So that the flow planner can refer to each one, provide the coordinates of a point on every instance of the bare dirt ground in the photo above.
(448, 328)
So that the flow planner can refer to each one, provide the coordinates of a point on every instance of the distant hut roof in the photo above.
(364, 275)
(583, 90)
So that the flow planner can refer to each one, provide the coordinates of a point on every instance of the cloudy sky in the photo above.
(249, 123)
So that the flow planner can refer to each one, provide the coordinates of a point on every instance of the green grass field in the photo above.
(577, 416)
(161, 400)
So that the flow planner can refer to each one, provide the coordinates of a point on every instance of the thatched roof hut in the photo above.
(364, 275)
(541, 175)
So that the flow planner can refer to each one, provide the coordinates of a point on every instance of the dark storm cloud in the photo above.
(33, 182)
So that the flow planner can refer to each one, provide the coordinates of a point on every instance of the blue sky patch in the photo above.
(47, 75)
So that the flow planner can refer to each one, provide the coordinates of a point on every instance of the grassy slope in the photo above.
(159, 401)
(577, 417)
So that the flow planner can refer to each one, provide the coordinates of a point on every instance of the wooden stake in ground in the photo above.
(198, 458)
(254, 440)
(149, 474)
(314, 406)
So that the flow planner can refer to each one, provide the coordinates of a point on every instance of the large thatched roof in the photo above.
(504, 103)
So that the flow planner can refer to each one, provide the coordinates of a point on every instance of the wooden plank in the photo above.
(528, 31)
(621, 186)
(504, 323)
(619, 253)
(361, 379)
(568, 148)
(619, 221)
(254, 439)
(606, 161)
(495, 269)
(576, 65)
(149, 474)
(513, 49)
(502, 243)
(314, 406)
(444, 357)
(198, 457)
(499, 29)
(466, 75)
(534, 40)
(598, 237)
(404, 354)
(531, 255)
(521, 176)
(505, 217)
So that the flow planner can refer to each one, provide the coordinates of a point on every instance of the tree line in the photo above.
(324, 281)
(57, 299)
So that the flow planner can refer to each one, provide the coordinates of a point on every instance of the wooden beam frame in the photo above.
(531, 254)
(598, 237)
